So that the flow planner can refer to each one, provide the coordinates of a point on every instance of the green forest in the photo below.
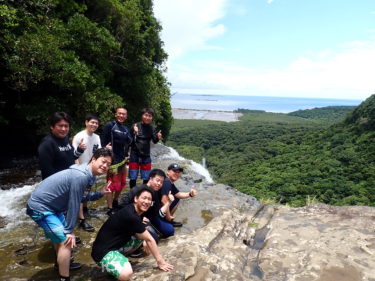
(320, 155)
(79, 57)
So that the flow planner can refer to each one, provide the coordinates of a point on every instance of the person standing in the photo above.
(54, 205)
(124, 232)
(140, 160)
(55, 151)
(91, 142)
(118, 137)
(87, 137)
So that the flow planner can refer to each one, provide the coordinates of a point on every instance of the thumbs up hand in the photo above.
(82, 144)
(170, 197)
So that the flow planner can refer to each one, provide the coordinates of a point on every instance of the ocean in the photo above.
(270, 104)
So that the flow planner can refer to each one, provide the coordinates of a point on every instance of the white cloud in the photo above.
(347, 73)
(189, 24)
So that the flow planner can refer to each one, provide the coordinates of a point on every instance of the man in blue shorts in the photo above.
(123, 233)
(62, 193)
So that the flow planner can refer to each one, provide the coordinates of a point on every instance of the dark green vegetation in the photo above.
(329, 114)
(287, 158)
(79, 57)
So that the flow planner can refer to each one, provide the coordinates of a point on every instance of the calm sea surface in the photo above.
(271, 104)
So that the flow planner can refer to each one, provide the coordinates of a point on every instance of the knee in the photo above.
(125, 274)
(168, 230)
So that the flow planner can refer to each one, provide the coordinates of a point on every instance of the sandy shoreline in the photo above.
(199, 114)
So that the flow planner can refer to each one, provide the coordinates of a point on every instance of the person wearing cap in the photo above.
(166, 225)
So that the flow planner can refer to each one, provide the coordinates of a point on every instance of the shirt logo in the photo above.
(65, 148)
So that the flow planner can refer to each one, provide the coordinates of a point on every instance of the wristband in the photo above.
(190, 194)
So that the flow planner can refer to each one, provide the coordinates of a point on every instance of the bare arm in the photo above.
(151, 244)
(183, 195)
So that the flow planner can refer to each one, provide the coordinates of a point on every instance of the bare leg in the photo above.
(80, 214)
(63, 253)
(109, 200)
(117, 195)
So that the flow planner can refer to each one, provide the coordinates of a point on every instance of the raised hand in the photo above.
(170, 197)
(193, 192)
(136, 129)
(105, 190)
(159, 135)
(109, 146)
(82, 144)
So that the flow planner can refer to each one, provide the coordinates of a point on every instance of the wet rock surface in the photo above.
(226, 236)
(19, 173)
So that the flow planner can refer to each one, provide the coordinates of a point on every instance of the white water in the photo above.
(194, 166)
(202, 171)
(173, 155)
(13, 204)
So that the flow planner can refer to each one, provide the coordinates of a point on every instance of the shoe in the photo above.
(78, 240)
(73, 266)
(176, 223)
(136, 254)
(86, 227)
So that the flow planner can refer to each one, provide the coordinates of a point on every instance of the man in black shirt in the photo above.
(124, 232)
(140, 159)
(117, 136)
(55, 151)
(166, 225)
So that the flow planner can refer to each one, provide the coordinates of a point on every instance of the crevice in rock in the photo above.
(259, 239)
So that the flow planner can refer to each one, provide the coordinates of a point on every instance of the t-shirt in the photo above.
(168, 186)
(56, 154)
(92, 144)
(116, 231)
(120, 138)
(128, 198)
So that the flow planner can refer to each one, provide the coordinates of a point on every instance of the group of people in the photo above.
(69, 170)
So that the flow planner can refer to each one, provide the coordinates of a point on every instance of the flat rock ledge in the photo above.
(315, 243)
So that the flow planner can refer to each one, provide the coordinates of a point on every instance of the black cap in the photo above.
(175, 167)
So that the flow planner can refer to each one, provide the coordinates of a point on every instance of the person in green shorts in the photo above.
(123, 233)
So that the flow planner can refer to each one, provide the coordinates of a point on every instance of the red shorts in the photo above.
(118, 181)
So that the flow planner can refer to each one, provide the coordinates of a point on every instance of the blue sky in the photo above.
(290, 48)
